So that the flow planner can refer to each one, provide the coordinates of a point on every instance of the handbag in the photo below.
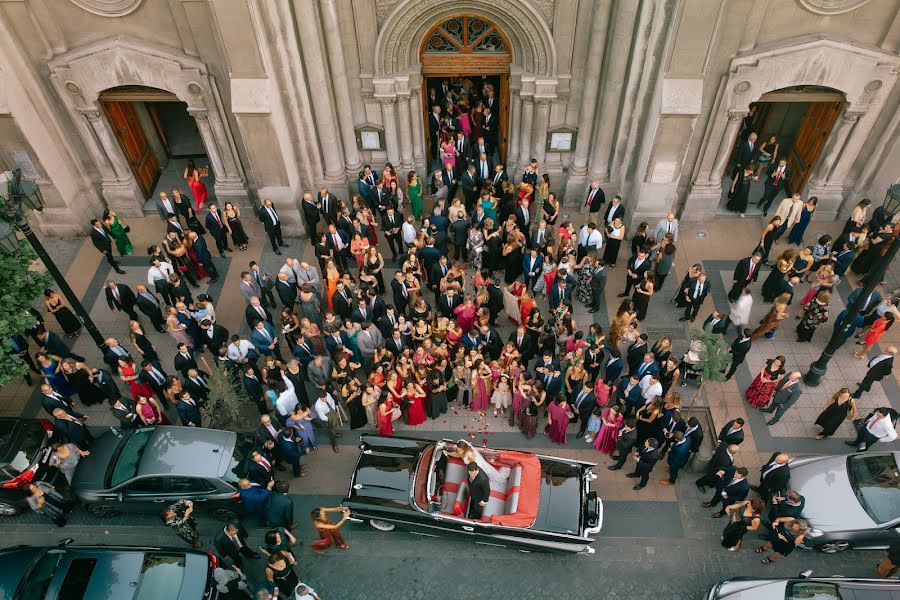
(128, 229)
(396, 413)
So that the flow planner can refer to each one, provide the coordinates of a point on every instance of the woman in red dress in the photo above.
(466, 314)
(481, 386)
(557, 420)
(526, 305)
(611, 423)
(128, 373)
(192, 254)
(415, 397)
(386, 417)
(476, 122)
(192, 175)
(760, 392)
(329, 532)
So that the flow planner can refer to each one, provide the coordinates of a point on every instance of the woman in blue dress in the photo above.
(50, 367)
(301, 422)
(799, 228)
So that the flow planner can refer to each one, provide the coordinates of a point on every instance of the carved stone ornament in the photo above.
(387, 100)
(92, 115)
(195, 89)
(108, 8)
(199, 115)
(873, 86)
(831, 7)
(547, 8)
(734, 115)
(383, 8)
(851, 117)
(742, 87)
(73, 88)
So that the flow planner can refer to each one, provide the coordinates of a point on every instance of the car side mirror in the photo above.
(805, 574)
(120, 496)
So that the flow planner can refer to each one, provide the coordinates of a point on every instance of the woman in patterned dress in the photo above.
(760, 392)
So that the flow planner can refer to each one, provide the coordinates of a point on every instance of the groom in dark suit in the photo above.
(479, 491)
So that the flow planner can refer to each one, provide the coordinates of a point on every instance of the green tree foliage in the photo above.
(227, 402)
(715, 358)
(19, 286)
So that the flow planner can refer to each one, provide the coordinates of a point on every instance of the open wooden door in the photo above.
(123, 119)
(817, 125)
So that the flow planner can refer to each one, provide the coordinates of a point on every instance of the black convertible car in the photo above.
(544, 503)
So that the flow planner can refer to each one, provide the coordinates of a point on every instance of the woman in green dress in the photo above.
(118, 231)
(414, 193)
(540, 196)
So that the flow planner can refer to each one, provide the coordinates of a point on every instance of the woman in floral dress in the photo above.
(760, 392)
(815, 313)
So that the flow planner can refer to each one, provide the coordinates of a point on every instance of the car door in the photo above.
(144, 494)
(196, 489)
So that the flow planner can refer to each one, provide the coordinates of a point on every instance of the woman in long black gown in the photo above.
(740, 190)
(352, 392)
(437, 397)
(749, 516)
(642, 293)
(79, 378)
(64, 316)
(840, 406)
(491, 255)
(512, 257)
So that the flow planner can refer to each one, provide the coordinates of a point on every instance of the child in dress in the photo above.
(502, 396)
(593, 425)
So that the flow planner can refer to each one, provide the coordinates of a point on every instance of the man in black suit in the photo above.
(272, 222)
(694, 432)
(71, 429)
(148, 304)
(436, 267)
(102, 239)
(254, 389)
(463, 150)
(497, 180)
(264, 283)
(598, 286)
(636, 351)
(280, 510)
(53, 344)
(745, 273)
(614, 211)
(778, 179)
(774, 476)
(716, 322)
(524, 344)
(879, 368)
(216, 228)
(231, 543)
(51, 400)
(447, 302)
(470, 184)
(495, 302)
(184, 359)
(645, 459)
(204, 256)
(196, 383)
(434, 130)
(547, 369)
(311, 215)
(732, 488)
(391, 225)
(342, 301)
(721, 460)
(400, 292)
(328, 204)
(732, 433)
(625, 443)
(103, 380)
(490, 128)
(287, 291)
(156, 379)
(188, 410)
(214, 336)
(339, 244)
(255, 311)
(459, 232)
(387, 322)
(744, 153)
(637, 266)
(120, 297)
(479, 491)
(694, 295)
(595, 198)
(584, 403)
(739, 349)
(491, 342)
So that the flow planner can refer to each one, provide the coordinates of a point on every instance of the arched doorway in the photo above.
(157, 135)
(462, 58)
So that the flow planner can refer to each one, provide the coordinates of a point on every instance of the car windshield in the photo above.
(237, 466)
(129, 459)
(876, 483)
(161, 577)
(19, 448)
(36, 582)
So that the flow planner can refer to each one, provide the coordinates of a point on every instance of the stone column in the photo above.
(706, 189)
(827, 182)
(341, 88)
(320, 89)
(406, 156)
(418, 128)
(515, 116)
(836, 143)
(525, 129)
(389, 116)
(725, 145)
(590, 87)
(120, 188)
(622, 30)
(539, 135)
(209, 142)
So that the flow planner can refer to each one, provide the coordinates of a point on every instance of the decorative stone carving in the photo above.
(873, 86)
(194, 89)
(831, 7)
(108, 8)
(547, 7)
(543, 101)
(73, 88)
(383, 8)
(199, 115)
(734, 115)
(92, 115)
(386, 100)
(742, 87)
(851, 117)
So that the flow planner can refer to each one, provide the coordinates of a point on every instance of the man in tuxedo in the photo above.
(51, 400)
(584, 402)
(732, 433)
(665, 226)
(774, 476)
(492, 344)
(447, 302)
(495, 301)
(694, 432)
(532, 268)
(400, 292)
(547, 370)
(693, 296)
(231, 543)
(479, 491)
(679, 454)
(595, 199)
(787, 392)
(342, 301)
(480, 151)
(328, 204)
(879, 367)
(188, 410)
(256, 311)
(103, 380)
(253, 387)
(636, 351)
(470, 185)
(434, 130)
(716, 322)
(71, 429)
(119, 297)
(53, 344)
(311, 215)
(637, 266)
(102, 239)
(614, 211)
(490, 126)
(739, 349)
(524, 343)
(744, 153)
(287, 291)
(459, 232)
(613, 367)
(195, 382)
(398, 342)
(745, 273)
(624, 443)
(148, 304)
(345, 224)
(645, 459)
(338, 243)
(722, 459)
(272, 222)
(391, 225)
(463, 150)
(778, 179)
(156, 378)
(497, 180)
(732, 487)
(184, 359)
(216, 228)
(435, 264)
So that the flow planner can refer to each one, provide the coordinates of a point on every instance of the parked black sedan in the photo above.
(24, 457)
(537, 502)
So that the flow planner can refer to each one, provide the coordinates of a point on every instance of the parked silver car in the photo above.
(805, 588)
(852, 501)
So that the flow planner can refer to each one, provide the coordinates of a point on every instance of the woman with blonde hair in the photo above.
(769, 324)
(839, 408)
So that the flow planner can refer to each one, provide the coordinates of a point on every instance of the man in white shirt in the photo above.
(651, 388)
(158, 276)
(589, 240)
(241, 352)
(408, 231)
(879, 426)
(328, 416)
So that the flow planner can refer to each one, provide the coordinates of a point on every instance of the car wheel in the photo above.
(104, 510)
(223, 514)
(381, 525)
(8, 509)
(833, 547)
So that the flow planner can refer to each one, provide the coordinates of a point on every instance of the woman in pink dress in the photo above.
(466, 314)
(603, 392)
(462, 113)
(606, 439)
(389, 175)
(557, 420)
(448, 153)
(193, 175)
(415, 396)
(521, 393)
(481, 386)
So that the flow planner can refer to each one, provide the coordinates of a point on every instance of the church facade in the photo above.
(102, 102)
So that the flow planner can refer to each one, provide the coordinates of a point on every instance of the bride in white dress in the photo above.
(468, 453)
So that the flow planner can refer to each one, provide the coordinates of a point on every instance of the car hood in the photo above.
(831, 504)
(90, 474)
(382, 474)
(16, 562)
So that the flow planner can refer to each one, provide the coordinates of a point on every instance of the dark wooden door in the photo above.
(123, 119)
(817, 125)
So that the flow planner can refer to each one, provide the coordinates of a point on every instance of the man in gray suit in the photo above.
(368, 341)
(248, 287)
(787, 392)
(667, 225)
(165, 207)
